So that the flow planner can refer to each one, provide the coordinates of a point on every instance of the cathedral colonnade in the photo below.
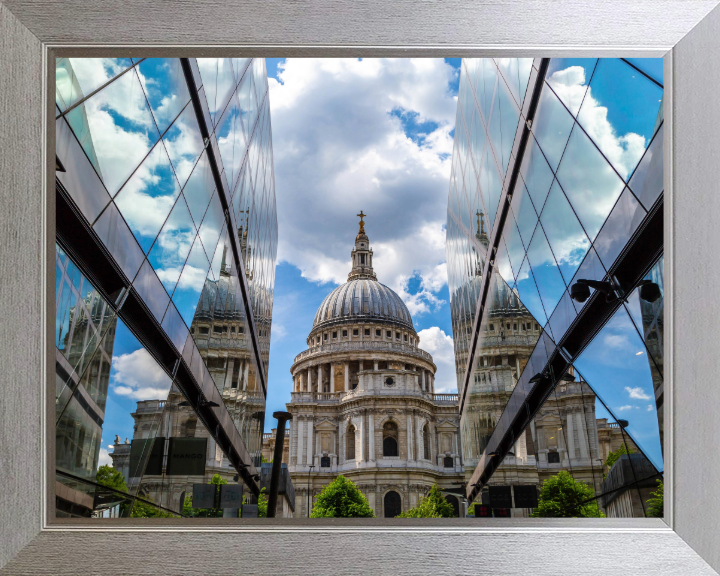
(364, 402)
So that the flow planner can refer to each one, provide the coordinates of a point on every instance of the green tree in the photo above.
(262, 504)
(341, 499)
(265, 460)
(656, 501)
(561, 496)
(112, 478)
(433, 505)
(615, 456)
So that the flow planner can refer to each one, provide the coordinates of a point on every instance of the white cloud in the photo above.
(339, 148)
(650, 408)
(637, 393)
(593, 199)
(278, 332)
(626, 407)
(104, 458)
(616, 341)
(137, 376)
(440, 346)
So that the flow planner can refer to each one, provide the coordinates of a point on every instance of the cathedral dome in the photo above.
(361, 300)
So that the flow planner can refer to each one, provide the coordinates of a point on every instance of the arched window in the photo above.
(350, 438)
(448, 462)
(393, 504)
(190, 426)
(390, 439)
(553, 457)
(426, 442)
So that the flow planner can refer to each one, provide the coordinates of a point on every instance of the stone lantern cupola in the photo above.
(362, 255)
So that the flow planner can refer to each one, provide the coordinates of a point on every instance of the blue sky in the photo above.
(316, 110)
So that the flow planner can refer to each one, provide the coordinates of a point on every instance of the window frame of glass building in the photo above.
(165, 259)
(555, 272)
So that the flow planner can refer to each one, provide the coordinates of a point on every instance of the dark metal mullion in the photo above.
(629, 485)
(643, 73)
(239, 264)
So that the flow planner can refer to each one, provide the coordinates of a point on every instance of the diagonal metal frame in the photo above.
(637, 258)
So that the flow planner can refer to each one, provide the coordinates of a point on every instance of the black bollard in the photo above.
(281, 417)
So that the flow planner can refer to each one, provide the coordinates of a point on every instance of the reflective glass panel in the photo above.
(569, 78)
(551, 127)
(564, 233)
(615, 364)
(173, 244)
(545, 269)
(619, 113)
(147, 198)
(121, 127)
(165, 87)
(589, 182)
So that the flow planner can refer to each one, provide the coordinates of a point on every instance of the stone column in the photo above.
(359, 457)
(310, 441)
(299, 442)
(245, 375)
(410, 454)
(341, 442)
(423, 381)
(418, 437)
(309, 379)
(332, 377)
(376, 366)
(320, 378)
(570, 438)
(433, 441)
(347, 376)
(582, 433)
(229, 372)
(371, 437)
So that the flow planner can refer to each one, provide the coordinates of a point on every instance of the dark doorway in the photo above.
(455, 504)
(393, 507)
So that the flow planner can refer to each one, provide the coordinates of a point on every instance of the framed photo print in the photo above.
(358, 288)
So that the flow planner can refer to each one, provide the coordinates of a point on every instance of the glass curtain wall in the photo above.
(585, 183)
(167, 164)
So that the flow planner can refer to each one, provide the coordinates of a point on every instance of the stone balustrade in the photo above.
(363, 346)
(336, 397)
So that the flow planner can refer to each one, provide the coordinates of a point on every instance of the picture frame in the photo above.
(686, 34)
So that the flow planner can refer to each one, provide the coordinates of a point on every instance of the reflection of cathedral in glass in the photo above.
(164, 191)
(220, 333)
(541, 199)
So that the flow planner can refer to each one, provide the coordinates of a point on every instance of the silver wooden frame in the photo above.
(686, 32)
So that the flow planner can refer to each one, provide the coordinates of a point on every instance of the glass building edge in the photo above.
(176, 338)
(559, 322)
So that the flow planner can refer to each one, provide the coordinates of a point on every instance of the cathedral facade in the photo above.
(364, 403)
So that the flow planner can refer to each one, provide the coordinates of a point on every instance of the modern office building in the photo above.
(166, 236)
(555, 266)
(364, 402)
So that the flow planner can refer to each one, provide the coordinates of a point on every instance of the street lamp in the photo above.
(308, 489)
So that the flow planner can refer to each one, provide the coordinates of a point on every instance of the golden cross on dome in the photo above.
(362, 224)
